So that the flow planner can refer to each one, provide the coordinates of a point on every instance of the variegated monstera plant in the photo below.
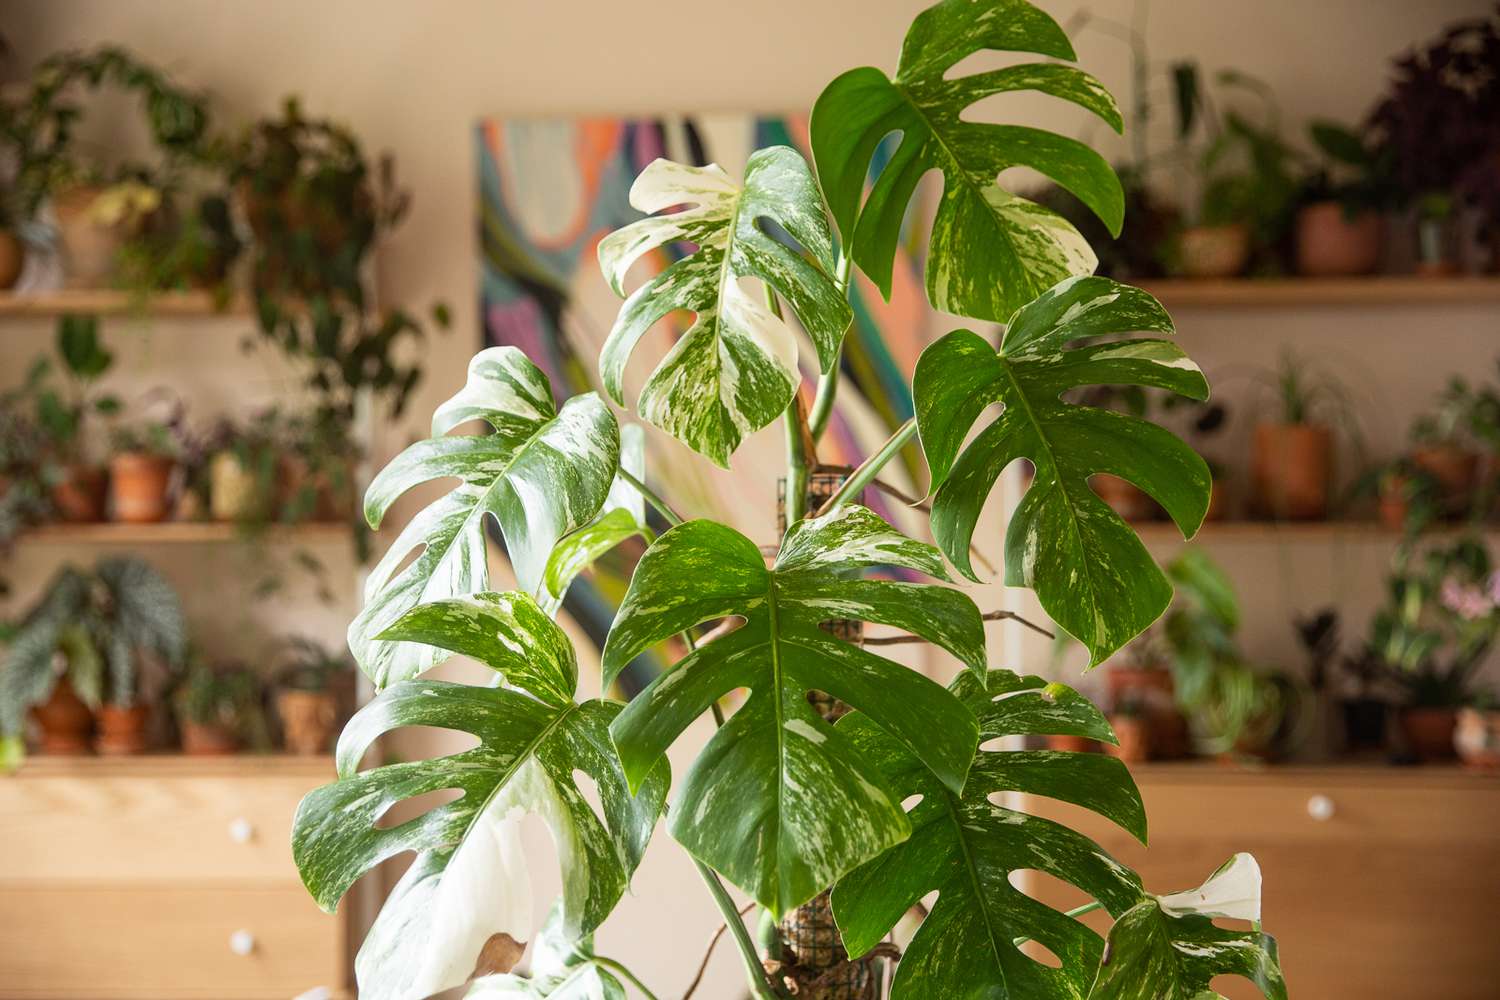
(783, 802)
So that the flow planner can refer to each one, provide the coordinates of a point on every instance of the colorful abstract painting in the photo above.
(549, 190)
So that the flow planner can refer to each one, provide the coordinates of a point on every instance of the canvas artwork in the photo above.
(550, 189)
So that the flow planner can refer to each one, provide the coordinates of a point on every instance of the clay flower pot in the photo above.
(233, 491)
(307, 720)
(12, 258)
(1330, 243)
(89, 246)
(207, 740)
(1392, 505)
(1290, 469)
(1214, 251)
(1125, 498)
(138, 487)
(1218, 502)
(1134, 736)
(65, 721)
(1477, 738)
(1071, 744)
(78, 496)
(1429, 732)
(1455, 469)
(122, 730)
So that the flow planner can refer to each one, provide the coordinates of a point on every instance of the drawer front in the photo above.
(147, 828)
(1371, 891)
(166, 943)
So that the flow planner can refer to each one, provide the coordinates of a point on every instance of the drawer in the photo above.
(152, 828)
(166, 943)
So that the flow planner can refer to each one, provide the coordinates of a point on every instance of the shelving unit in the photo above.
(109, 302)
(183, 533)
(1383, 290)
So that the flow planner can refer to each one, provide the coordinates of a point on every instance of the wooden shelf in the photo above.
(1390, 290)
(115, 303)
(42, 765)
(182, 533)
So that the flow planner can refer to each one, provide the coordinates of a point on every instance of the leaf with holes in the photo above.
(735, 369)
(1089, 570)
(468, 890)
(991, 252)
(779, 801)
(540, 474)
(1168, 948)
(965, 847)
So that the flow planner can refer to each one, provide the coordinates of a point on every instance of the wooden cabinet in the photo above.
(160, 878)
(1379, 882)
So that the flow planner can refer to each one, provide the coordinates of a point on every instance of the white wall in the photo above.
(413, 78)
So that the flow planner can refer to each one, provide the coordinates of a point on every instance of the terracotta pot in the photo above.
(295, 480)
(79, 496)
(1429, 732)
(65, 720)
(1125, 498)
(138, 487)
(1071, 744)
(12, 258)
(1329, 243)
(307, 720)
(89, 248)
(1290, 468)
(1134, 736)
(1392, 507)
(122, 730)
(1455, 469)
(199, 740)
(1218, 502)
(1477, 738)
(1214, 251)
(233, 492)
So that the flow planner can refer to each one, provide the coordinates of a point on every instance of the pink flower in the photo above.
(1467, 601)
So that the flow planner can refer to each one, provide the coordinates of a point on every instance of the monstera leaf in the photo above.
(1167, 947)
(779, 801)
(560, 970)
(735, 369)
(467, 894)
(542, 473)
(991, 251)
(965, 847)
(1088, 568)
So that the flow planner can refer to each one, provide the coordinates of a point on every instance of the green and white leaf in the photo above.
(779, 801)
(965, 847)
(560, 970)
(1089, 570)
(735, 369)
(1168, 948)
(542, 473)
(469, 881)
(991, 251)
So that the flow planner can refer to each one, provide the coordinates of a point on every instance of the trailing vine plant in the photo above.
(805, 788)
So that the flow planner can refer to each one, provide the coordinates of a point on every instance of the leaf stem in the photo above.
(870, 467)
(624, 973)
(661, 506)
(759, 986)
(828, 384)
(1076, 911)
(796, 445)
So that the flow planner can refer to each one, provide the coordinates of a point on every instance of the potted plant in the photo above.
(88, 629)
(1477, 735)
(217, 708)
(754, 806)
(1443, 448)
(1132, 726)
(306, 699)
(140, 472)
(1341, 223)
(1408, 498)
(316, 470)
(243, 469)
(23, 493)
(188, 250)
(64, 413)
(1292, 457)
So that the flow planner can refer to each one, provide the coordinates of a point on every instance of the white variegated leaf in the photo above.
(735, 369)
(540, 474)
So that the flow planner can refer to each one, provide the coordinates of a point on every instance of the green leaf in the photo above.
(735, 369)
(78, 343)
(542, 473)
(469, 881)
(966, 846)
(991, 251)
(779, 801)
(1168, 948)
(1340, 144)
(1088, 568)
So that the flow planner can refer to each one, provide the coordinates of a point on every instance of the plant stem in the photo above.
(1076, 911)
(624, 973)
(796, 448)
(661, 506)
(754, 971)
(828, 385)
(870, 468)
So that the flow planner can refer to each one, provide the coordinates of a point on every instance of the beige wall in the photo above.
(413, 78)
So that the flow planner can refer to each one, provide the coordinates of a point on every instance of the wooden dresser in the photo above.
(161, 878)
(1380, 883)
